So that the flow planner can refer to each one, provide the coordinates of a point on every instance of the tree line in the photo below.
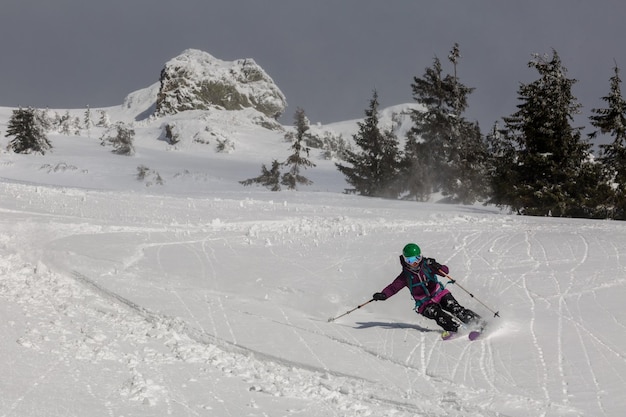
(535, 163)
(28, 128)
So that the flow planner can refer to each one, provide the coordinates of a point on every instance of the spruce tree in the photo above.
(444, 152)
(431, 127)
(424, 149)
(272, 178)
(611, 121)
(465, 169)
(29, 135)
(268, 178)
(466, 181)
(65, 124)
(87, 121)
(43, 118)
(298, 160)
(122, 141)
(104, 120)
(417, 169)
(548, 155)
(501, 173)
(373, 171)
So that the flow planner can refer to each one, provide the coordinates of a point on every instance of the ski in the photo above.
(477, 332)
(473, 334)
(447, 335)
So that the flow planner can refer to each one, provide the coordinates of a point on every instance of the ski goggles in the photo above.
(412, 259)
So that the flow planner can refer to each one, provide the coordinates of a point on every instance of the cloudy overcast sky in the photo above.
(327, 56)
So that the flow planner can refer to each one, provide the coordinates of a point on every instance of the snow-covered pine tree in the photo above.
(27, 131)
(467, 181)
(502, 160)
(268, 178)
(87, 120)
(43, 117)
(444, 152)
(298, 160)
(373, 171)
(65, 124)
(104, 120)
(466, 166)
(76, 126)
(611, 121)
(122, 140)
(549, 154)
(424, 148)
(272, 178)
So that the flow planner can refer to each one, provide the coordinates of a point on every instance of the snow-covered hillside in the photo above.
(200, 297)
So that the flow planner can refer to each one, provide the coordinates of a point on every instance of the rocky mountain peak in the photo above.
(195, 80)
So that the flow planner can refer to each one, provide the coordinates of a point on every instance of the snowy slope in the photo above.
(200, 297)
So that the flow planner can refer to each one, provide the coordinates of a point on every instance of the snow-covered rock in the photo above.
(195, 80)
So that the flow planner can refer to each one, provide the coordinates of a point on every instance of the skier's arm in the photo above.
(390, 289)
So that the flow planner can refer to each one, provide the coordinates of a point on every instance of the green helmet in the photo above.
(410, 250)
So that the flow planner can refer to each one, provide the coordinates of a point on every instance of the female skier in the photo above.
(432, 300)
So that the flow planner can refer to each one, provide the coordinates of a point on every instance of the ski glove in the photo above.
(379, 296)
(433, 264)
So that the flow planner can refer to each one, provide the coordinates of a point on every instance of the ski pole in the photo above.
(350, 311)
(453, 281)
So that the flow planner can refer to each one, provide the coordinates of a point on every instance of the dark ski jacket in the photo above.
(423, 283)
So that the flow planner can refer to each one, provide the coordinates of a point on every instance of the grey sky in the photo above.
(326, 56)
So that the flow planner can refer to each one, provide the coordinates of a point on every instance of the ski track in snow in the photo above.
(209, 326)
